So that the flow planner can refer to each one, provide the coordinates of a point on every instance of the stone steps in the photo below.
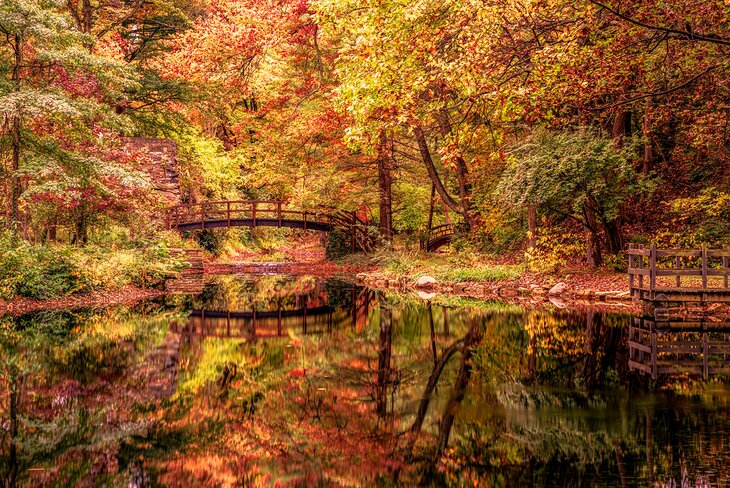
(190, 280)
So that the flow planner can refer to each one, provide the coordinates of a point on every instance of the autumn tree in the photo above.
(574, 174)
(57, 101)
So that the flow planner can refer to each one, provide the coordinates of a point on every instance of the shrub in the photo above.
(48, 271)
(34, 271)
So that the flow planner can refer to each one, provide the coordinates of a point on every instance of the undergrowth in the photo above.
(46, 271)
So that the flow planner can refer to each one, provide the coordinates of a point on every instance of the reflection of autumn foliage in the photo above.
(419, 394)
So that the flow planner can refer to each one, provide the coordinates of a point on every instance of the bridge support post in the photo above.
(352, 233)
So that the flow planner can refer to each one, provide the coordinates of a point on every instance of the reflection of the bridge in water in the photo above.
(312, 316)
(671, 347)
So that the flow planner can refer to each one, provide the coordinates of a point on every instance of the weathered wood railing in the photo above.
(257, 211)
(656, 351)
(272, 213)
(679, 274)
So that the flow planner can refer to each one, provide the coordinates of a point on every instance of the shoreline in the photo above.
(570, 291)
(125, 296)
(526, 290)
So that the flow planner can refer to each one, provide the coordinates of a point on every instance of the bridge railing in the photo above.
(435, 234)
(228, 211)
(269, 212)
(653, 270)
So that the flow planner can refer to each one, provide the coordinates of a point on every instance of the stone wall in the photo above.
(161, 164)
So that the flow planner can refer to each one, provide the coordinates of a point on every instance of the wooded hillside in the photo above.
(569, 127)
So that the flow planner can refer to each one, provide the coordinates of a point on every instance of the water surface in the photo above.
(306, 381)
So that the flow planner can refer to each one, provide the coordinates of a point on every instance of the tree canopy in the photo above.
(566, 108)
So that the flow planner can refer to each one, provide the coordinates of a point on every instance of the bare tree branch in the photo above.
(687, 34)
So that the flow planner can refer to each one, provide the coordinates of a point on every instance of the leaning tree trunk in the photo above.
(461, 208)
(385, 185)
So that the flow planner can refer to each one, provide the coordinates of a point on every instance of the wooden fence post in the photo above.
(652, 267)
(676, 266)
(704, 267)
(253, 211)
(632, 279)
(278, 211)
(641, 267)
(653, 353)
(202, 216)
(228, 213)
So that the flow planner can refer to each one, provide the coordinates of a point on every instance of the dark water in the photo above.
(297, 381)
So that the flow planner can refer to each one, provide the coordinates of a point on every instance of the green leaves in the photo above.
(565, 171)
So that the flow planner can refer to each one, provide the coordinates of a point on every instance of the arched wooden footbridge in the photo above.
(312, 318)
(267, 213)
(437, 236)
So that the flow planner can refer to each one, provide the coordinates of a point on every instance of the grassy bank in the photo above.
(444, 267)
(52, 270)
(475, 268)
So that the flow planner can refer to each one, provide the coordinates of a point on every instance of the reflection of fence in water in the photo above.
(657, 348)
(274, 323)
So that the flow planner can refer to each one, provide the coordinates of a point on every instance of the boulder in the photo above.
(426, 282)
(558, 289)
(426, 295)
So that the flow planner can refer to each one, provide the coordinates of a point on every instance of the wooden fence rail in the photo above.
(656, 350)
(679, 275)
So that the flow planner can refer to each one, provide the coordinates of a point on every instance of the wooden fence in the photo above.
(656, 350)
(679, 275)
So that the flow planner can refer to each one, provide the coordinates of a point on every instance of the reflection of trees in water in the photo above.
(413, 391)
(65, 387)
(272, 292)
(527, 433)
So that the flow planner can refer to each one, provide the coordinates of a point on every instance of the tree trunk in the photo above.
(436, 179)
(385, 184)
(15, 185)
(648, 157)
(621, 127)
(15, 192)
(593, 254)
(593, 245)
(462, 171)
(430, 209)
(81, 226)
(532, 227)
(614, 239)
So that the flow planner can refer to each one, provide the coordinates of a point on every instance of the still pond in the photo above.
(299, 381)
